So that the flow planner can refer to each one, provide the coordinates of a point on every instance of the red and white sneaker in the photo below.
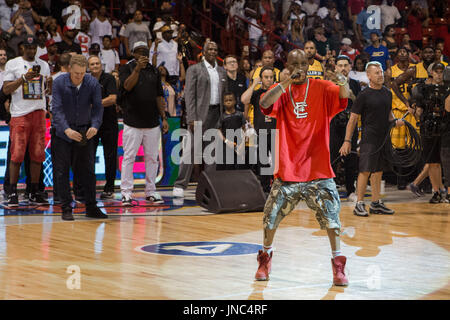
(338, 265)
(265, 265)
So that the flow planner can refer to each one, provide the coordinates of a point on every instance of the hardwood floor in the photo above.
(404, 256)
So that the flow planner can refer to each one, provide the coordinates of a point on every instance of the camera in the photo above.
(37, 68)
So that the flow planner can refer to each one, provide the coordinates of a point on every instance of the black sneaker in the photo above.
(436, 198)
(107, 195)
(37, 199)
(13, 200)
(95, 212)
(67, 215)
(379, 208)
(127, 202)
(79, 200)
(415, 190)
(360, 210)
(447, 198)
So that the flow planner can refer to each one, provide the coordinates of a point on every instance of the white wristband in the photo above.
(281, 86)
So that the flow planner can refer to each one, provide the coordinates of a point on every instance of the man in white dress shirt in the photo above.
(205, 84)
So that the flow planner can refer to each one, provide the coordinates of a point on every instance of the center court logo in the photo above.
(201, 249)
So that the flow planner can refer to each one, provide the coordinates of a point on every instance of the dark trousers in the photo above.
(69, 154)
(337, 137)
(26, 161)
(109, 136)
(187, 159)
(265, 179)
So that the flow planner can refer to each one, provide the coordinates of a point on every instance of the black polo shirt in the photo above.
(238, 87)
(139, 105)
(108, 84)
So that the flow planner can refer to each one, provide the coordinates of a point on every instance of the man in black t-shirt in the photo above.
(374, 104)
(109, 130)
(263, 124)
(68, 42)
(143, 107)
(236, 81)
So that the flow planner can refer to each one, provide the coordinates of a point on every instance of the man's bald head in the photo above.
(297, 63)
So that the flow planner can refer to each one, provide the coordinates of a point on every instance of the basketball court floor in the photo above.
(180, 251)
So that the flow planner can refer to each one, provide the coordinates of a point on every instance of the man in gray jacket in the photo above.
(205, 84)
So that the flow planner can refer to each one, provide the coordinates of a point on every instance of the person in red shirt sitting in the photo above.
(304, 108)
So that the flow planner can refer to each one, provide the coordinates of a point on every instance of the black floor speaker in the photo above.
(230, 191)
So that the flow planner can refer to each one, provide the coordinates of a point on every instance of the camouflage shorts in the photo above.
(320, 195)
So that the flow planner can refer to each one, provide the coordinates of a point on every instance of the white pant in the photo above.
(133, 138)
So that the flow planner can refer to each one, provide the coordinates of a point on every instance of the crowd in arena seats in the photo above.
(253, 34)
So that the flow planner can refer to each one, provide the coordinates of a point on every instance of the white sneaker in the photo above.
(178, 192)
(352, 197)
(155, 197)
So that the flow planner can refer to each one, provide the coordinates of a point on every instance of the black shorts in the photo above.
(369, 161)
(431, 149)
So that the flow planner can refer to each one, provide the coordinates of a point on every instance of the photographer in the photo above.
(429, 103)
(29, 15)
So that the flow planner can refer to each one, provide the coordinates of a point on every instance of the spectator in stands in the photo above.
(68, 42)
(109, 56)
(4, 37)
(94, 50)
(296, 33)
(378, 52)
(165, 52)
(389, 40)
(84, 39)
(130, 6)
(236, 10)
(51, 57)
(7, 8)
(310, 7)
(27, 13)
(254, 28)
(389, 15)
(354, 8)
(414, 55)
(171, 94)
(136, 31)
(246, 68)
(51, 26)
(40, 8)
(368, 21)
(236, 81)
(416, 20)
(334, 27)
(100, 27)
(358, 71)
(294, 13)
(322, 44)
(315, 70)
(347, 50)
(18, 34)
(41, 36)
(268, 60)
(440, 46)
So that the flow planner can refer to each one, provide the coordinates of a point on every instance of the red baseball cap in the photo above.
(50, 42)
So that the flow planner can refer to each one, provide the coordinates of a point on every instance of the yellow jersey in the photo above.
(396, 72)
(315, 71)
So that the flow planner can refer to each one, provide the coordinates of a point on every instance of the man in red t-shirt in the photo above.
(303, 108)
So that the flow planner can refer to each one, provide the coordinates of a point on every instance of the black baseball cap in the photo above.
(30, 41)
